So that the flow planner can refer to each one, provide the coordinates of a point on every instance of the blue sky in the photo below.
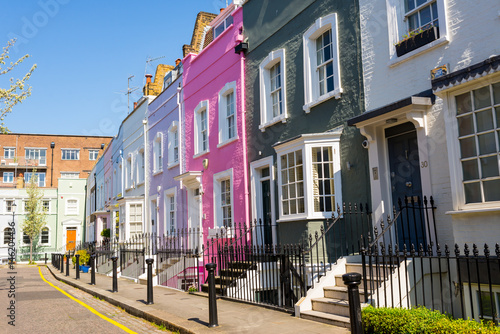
(85, 51)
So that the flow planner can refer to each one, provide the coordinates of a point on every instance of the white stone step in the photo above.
(331, 305)
(340, 292)
(326, 318)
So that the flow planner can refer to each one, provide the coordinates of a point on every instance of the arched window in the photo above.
(45, 235)
(7, 235)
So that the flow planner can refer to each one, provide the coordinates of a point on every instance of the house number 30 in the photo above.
(423, 164)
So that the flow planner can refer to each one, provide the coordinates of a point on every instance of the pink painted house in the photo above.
(216, 172)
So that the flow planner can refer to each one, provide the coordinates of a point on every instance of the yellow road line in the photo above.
(86, 306)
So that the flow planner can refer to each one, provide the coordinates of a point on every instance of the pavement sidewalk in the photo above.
(188, 313)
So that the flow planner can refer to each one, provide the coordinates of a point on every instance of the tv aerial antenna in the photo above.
(148, 62)
(128, 92)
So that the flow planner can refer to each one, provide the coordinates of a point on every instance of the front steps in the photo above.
(333, 307)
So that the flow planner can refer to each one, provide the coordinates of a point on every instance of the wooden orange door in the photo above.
(70, 239)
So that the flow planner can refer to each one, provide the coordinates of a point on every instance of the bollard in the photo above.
(45, 258)
(352, 280)
(67, 264)
(115, 274)
(92, 275)
(212, 298)
(150, 281)
(62, 263)
(54, 262)
(77, 266)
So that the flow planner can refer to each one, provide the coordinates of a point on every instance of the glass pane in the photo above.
(329, 84)
(328, 204)
(327, 52)
(484, 120)
(472, 192)
(491, 190)
(497, 112)
(421, 2)
(293, 207)
(292, 192)
(300, 174)
(482, 97)
(470, 170)
(291, 160)
(489, 166)
(316, 154)
(468, 147)
(486, 303)
(283, 162)
(496, 92)
(264, 172)
(285, 208)
(409, 5)
(229, 21)
(317, 171)
(327, 154)
(465, 125)
(413, 22)
(300, 205)
(321, 204)
(284, 192)
(284, 177)
(321, 188)
(291, 175)
(300, 189)
(464, 103)
(298, 156)
(434, 11)
(487, 143)
(425, 16)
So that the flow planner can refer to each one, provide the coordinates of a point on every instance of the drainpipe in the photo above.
(146, 169)
(95, 205)
(179, 129)
(85, 216)
(52, 145)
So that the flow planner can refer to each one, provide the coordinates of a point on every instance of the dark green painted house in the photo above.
(303, 81)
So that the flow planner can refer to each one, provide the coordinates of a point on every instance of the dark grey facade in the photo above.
(274, 25)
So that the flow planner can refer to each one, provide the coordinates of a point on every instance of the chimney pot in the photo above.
(135, 105)
(148, 78)
(222, 9)
(177, 61)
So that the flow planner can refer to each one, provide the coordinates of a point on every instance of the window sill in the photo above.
(197, 155)
(395, 60)
(337, 93)
(172, 165)
(227, 142)
(140, 184)
(277, 119)
(473, 211)
(157, 172)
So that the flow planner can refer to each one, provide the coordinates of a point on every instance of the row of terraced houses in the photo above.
(282, 111)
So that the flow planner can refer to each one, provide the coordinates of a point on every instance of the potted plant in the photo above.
(416, 39)
(83, 261)
(106, 233)
(192, 289)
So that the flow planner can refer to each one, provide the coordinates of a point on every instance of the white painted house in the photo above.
(438, 137)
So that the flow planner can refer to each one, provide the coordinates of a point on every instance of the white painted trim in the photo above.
(203, 105)
(311, 89)
(255, 180)
(228, 88)
(167, 194)
(218, 178)
(274, 57)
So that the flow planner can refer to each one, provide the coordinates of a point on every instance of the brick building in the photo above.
(52, 156)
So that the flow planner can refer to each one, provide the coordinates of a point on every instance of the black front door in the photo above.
(266, 211)
(404, 164)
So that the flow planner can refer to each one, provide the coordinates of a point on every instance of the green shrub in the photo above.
(84, 257)
(106, 232)
(419, 320)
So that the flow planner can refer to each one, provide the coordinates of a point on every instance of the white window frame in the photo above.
(218, 214)
(229, 88)
(454, 154)
(169, 194)
(225, 24)
(400, 27)
(173, 143)
(129, 172)
(29, 151)
(311, 81)
(306, 143)
(22, 238)
(48, 201)
(29, 175)
(140, 166)
(9, 152)
(266, 105)
(93, 154)
(68, 211)
(8, 208)
(48, 236)
(198, 144)
(158, 153)
(71, 152)
(11, 174)
(4, 233)
(136, 222)
(70, 175)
